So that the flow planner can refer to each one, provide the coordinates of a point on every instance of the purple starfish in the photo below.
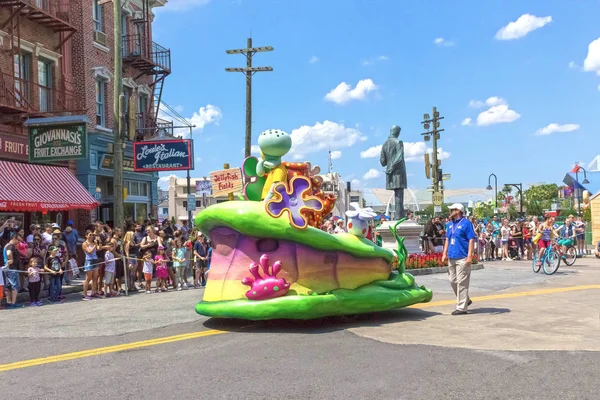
(295, 201)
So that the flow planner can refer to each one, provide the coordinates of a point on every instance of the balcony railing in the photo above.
(55, 14)
(150, 127)
(146, 55)
(23, 96)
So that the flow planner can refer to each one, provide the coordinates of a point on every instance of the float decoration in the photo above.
(358, 219)
(295, 200)
(317, 274)
(267, 286)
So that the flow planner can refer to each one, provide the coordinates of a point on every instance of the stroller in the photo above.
(513, 249)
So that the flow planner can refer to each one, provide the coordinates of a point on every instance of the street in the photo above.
(528, 336)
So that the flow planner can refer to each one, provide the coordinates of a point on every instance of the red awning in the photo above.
(32, 187)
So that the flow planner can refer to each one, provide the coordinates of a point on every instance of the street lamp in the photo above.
(519, 187)
(489, 187)
(585, 182)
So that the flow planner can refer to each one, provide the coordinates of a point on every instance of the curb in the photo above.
(75, 287)
(438, 270)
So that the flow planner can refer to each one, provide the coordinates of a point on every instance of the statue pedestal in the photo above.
(409, 230)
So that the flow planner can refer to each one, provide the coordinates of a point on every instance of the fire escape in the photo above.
(150, 59)
(19, 93)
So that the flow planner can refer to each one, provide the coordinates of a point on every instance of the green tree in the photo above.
(513, 212)
(484, 211)
(587, 215)
(540, 197)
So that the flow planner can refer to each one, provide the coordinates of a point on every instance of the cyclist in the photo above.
(545, 234)
(566, 233)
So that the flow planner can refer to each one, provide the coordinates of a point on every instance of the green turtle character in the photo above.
(274, 144)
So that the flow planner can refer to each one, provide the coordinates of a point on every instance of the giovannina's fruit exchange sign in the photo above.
(58, 142)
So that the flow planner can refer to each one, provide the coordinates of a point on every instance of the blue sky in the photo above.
(541, 71)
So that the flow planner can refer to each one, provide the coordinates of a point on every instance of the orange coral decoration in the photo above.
(315, 218)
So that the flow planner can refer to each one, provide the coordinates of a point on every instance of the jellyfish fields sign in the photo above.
(226, 181)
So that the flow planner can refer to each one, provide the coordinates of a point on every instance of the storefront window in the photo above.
(141, 212)
(129, 211)
(143, 189)
(134, 189)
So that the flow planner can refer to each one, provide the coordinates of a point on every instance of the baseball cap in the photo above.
(457, 206)
(55, 225)
(56, 231)
(69, 222)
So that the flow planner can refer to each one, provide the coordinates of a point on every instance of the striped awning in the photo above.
(32, 187)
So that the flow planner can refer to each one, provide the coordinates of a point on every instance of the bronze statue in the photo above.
(392, 158)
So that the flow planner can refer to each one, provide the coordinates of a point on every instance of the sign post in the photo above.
(163, 155)
(226, 181)
(438, 198)
(191, 202)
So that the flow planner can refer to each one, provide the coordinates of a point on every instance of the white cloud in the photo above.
(343, 93)
(572, 64)
(443, 42)
(522, 26)
(496, 115)
(322, 136)
(163, 181)
(372, 174)
(204, 116)
(336, 154)
(355, 183)
(495, 101)
(313, 60)
(476, 104)
(254, 150)
(592, 60)
(371, 152)
(372, 61)
(442, 154)
(413, 151)
(554, 127)
(466, 122)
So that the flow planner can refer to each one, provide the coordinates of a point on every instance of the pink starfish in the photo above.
(267, 286)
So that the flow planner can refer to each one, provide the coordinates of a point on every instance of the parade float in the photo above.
(270, 259)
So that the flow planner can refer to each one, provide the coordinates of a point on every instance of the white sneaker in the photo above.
(148, 292)
(509, 259)
(179, 288)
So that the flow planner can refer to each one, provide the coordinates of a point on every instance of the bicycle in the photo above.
(570, 254)
(550, 261)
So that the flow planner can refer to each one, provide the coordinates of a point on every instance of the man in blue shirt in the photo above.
(458, 250)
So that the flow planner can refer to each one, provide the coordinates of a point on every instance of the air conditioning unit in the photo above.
(100, 37)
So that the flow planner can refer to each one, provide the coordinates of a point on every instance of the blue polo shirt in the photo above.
(458, 234)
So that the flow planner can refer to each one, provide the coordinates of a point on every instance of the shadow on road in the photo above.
(489, 310)
(321, 325)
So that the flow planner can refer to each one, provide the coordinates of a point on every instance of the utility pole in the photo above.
(249, 52)
(436, 174)
(118, 115)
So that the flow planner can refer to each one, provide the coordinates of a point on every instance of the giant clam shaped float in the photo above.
(270, 260)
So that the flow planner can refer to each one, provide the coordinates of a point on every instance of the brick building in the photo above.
(56, 67)
(145, 65)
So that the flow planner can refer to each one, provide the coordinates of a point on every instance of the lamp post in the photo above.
(585, 182)
(519, 187)
(489, 187)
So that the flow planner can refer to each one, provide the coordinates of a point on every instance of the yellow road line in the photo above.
(194, 335)
(106, 350)
(508, 295)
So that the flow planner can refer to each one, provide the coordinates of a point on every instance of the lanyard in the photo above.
(454, 225)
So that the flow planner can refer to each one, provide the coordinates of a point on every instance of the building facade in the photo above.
(145, 67)
(36, 84)
(178, 198)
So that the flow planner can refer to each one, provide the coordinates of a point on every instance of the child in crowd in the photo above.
(147, 270)
(109, 271)
(55, 271)
(482, 246)
(180, 263)
(73, 266)
(162, 273)
(35, 284)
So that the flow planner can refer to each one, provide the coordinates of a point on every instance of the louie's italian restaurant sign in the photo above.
(163, 155)
(57, 142)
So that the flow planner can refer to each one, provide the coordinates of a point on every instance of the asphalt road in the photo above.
(282, 359)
